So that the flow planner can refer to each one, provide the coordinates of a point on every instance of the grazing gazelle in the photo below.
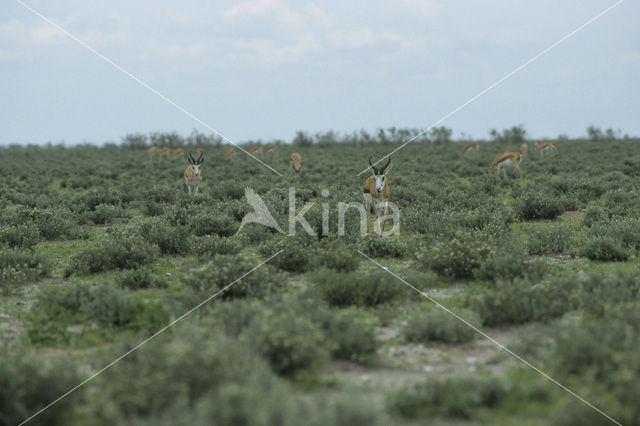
(270, 148)
(544, 147)
(193, 174)
(163, 152)
(523, 149)
(506, 159)
(178, 153)
(376, 192)
(151, 151)
(469, 148)
(296, 163)
(230, 153)
(255, 148)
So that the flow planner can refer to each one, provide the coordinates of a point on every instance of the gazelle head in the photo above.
(380, 175)
(195, 164)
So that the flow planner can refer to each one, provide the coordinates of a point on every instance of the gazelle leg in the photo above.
(197, 186)
(384, 218)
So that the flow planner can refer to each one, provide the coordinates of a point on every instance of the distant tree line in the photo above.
(391, 135)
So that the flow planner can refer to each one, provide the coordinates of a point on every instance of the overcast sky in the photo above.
(266, 68)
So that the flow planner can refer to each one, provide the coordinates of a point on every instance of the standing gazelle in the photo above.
(296, 163)
(544, 147)
(469, 148)
(193, 174)
(523, 149)
(506, 159)
(376, 192)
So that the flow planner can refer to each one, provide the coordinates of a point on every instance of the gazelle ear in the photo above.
(388, 169)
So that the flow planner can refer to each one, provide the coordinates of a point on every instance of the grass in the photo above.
(301, 335)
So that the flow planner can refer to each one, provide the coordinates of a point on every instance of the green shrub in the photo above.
(28, 384)
(119, 250)
(358, 288)
(537, 205)
(105, 213)
(337, 255)
(457, 257)
(298, 253)
(211, 245)
(20, 266)
(376, 247)
(438, 326)
(52, 222)
(195, 366)
(351, 338)
(214, 223)
(604, 248)
(520, 301)
(456, 398)
(223, 270)
(550, 239)
(22, 235)
(289, 342)
(135, 279)
(171, 239)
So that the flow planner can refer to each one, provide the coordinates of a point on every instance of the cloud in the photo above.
(279, 11)
(425, 8)
(268, 52)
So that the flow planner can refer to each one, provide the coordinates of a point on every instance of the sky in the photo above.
(264, 69)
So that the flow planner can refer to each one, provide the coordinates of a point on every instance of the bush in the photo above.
(438, 326)
(458, 257)
(337, 255)
(550, 239)
(224, 270)
(351, 338)
(22, 235)
(604, 248)
(289, 342)
(457, 398)
(376, 247)
(520, 301)
(170, 239)
(135, 279)
(536, 205)
(359, 289)
(20, 266)
(298, 253)
(194, 366)
(211, 245)
(28, 384)
(105, 213)
(119, 250)
(215, 223)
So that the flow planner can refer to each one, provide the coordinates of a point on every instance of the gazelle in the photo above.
(255, 148)
(177, 153)
(506, 159)
(296, 163)
(150, 152)
(523, 149)
(469, 148)
(270, 148)
(230, 153)
(376, 192)
(193, 174)
(163, 152)
(544, 147)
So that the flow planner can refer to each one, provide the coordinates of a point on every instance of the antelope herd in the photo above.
(376, 188)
